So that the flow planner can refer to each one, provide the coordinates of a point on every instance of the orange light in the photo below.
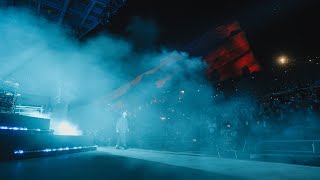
(283, 60)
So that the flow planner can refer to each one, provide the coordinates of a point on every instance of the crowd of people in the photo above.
(192, 120)
(291, 109)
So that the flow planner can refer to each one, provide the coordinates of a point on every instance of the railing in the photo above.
(302, 147)
(34, 111)
(29, 108)
(193, 146)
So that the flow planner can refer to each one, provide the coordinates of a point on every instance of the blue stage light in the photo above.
(19, 152)
(47, 150)
(14, 128)
(50, 150)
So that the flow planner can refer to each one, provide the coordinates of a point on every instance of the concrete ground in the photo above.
(109, 163)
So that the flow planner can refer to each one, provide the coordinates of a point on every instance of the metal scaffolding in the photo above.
(81, 16)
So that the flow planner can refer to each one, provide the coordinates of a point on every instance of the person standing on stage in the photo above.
(122, 130)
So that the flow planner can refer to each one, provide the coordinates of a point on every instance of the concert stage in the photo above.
(109, 163)
(19, 146)
(25, 137)
(21, 121)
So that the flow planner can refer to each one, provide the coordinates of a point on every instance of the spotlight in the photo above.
(283, 60)
(66, 128)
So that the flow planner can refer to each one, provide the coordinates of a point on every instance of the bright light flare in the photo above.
(163, 118)
(66, 128)
(283, 60)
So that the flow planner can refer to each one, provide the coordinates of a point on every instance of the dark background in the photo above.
(273, 27)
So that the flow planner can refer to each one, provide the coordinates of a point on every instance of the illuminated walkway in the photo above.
(109, 163)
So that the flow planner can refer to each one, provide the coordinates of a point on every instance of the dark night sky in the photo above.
(272, 26)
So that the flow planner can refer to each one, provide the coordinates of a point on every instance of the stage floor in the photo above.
(109, 163)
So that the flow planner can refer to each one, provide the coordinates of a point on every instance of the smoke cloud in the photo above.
(80, 79)
(77, 77)
(45, 61)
